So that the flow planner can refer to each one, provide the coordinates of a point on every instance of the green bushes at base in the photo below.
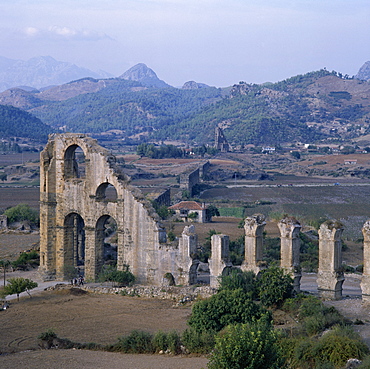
(247, 346)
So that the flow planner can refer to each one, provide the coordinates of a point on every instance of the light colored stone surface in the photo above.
(290, 248)
(330, 276)
(253, 226)
(74, 208)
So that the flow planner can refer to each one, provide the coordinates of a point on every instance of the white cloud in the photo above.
(67, 33)
(31, 31)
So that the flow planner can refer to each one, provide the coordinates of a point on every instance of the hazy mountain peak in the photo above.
(364, 72)
(39, 72)
(146, 76)
(192, 85)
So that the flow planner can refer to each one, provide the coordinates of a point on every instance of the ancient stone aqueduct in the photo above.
(78, 199)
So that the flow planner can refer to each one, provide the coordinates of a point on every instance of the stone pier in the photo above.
(187, 248)
(330, 276)
(253, 226)
(365, 281)
(290, 248)
(219, 259)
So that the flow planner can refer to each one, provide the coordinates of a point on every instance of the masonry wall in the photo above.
(63, 196)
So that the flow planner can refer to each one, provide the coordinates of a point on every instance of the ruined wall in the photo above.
(189, 180)
(74, 208)
(3, 222)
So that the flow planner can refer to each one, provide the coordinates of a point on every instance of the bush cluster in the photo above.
(22, 212)
(121, 278)
(27, 260)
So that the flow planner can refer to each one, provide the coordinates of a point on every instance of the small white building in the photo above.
(184, 209)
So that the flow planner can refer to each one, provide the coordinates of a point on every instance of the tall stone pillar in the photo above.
(253, 227)
(365, 281)
(92, 260)
(219, 259)
(330, 276)
(187, 248)
(290, 248)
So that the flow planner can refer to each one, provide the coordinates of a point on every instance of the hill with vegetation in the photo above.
(15, 122)
(306, 108)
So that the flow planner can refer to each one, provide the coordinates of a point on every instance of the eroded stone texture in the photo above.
(254, 226)
(219, 259)
(365, 281)
(290, 248)
(330, 276)
(81, 187)
(187, 248)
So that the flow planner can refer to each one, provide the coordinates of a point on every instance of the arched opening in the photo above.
(106, 192)
(74, 245)
(106, 242)
(74, 162)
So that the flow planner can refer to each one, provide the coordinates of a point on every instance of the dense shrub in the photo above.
(119, 277)
(238, 279)
(198, 342)
(274, 286)
(173, 342)
(22, 212)
(224, 308)
(27, 259)
(333, 348)
(249, 346)
(166, 341)
(137, 342)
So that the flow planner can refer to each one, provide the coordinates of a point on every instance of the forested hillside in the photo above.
(127, 106)
(15, 122)
(305, 108)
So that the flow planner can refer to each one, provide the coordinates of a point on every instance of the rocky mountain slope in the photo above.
(146, 76)
(364, 72)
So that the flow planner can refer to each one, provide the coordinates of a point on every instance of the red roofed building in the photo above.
(185, 209)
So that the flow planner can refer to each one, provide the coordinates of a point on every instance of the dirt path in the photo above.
(82, 359)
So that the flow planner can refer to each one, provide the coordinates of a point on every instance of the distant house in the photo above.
(268, 149)
(191, 211)
(350, 162)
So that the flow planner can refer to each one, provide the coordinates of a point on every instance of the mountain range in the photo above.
(315, 106)
(40, 72)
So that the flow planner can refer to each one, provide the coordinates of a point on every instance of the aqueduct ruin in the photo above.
(84, 194)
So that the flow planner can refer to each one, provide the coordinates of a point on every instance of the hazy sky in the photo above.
(218, 42)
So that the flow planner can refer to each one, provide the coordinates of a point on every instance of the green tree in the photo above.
(238, 279)
(19, 285)
(22, 212)
(213, 211)
(274, 286)
(247, 346)
(224, 308)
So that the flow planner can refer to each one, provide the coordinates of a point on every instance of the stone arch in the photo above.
(140, 234)
(106, 192)
(168, 279)
(74, 162)
(105, 242)
(74, 242)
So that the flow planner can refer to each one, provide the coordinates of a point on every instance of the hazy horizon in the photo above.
(216, 42)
